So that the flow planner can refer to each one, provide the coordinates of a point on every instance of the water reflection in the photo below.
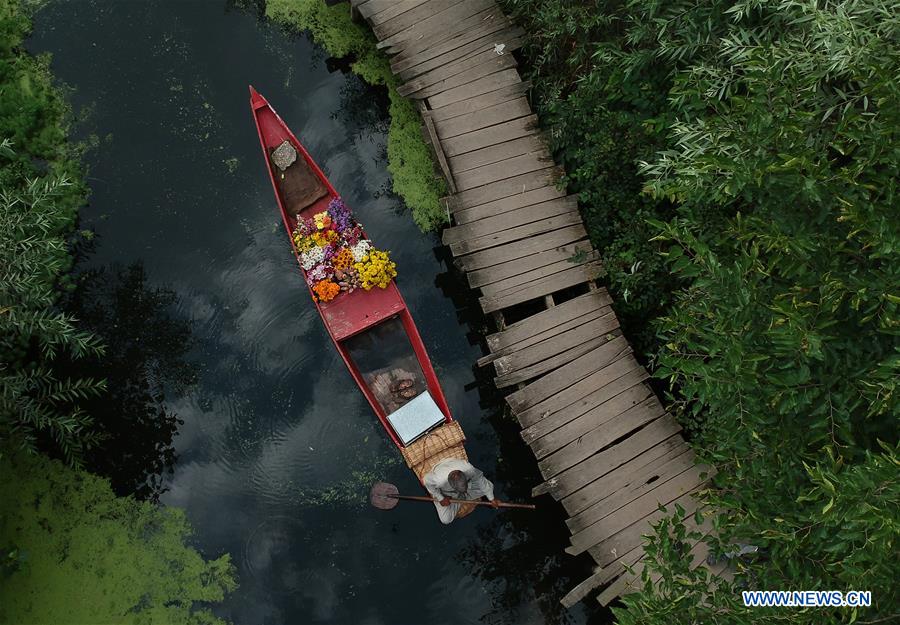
(147, 344)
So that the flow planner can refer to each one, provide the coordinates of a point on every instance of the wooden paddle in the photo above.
(386, 496)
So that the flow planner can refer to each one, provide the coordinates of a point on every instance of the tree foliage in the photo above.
(764, 137)
(40, 191)
(91, 557)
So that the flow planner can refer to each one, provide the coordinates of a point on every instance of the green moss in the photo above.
(409, 157)
(88, 556)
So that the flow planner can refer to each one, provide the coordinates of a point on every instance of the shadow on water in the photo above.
(145, 365)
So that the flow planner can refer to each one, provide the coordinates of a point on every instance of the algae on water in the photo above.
(409, 158)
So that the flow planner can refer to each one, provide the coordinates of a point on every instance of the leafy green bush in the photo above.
(409, 157)
(766, 136)
(91, 557)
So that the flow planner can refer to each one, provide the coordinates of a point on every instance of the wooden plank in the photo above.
(380, 11)
(602, 463)
(507, 168)
(663, 472)
(498, 152)
(462, 73)
(581, 395)
(580, 438)
(537, 276)
(532, 245)
(495, 275)
(460, 43)
(560, 343)
(550, 224)
(628, 476)
(502, 189)
(478, 103)
(547, 319)
(626, 539)
(526, 215)
(602, 576)
(421, 16)
(438, 150)
(572, 276)
(504, 111)
(491, 135)
(664, 492)
(506, 204)
(419, 43)
(476, 87)
(430, 17)
(530, 372)
(424, 70)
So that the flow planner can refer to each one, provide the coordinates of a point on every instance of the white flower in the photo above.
(360, 250)
(312, 257)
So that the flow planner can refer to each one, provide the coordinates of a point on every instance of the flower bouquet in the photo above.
(336, 256)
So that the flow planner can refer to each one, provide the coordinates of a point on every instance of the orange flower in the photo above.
(342, 260)
(326, 290)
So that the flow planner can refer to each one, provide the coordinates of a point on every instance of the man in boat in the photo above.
(457, 479)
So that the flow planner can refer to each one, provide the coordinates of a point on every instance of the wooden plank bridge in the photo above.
(607, 449)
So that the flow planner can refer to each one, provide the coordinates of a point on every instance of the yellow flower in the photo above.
(376, 269)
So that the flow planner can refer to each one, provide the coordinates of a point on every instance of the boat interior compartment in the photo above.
(385, 359)
(297, 183)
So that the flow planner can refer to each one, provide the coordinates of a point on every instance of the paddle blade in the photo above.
(384, 496)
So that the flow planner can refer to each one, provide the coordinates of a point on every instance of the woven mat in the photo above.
(439, 444)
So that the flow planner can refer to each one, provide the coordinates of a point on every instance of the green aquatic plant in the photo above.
(409, 158)
(92, 557)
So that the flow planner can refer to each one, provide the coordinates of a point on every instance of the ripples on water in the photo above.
(278, 447)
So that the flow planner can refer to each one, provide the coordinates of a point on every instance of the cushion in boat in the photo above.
(299, 185)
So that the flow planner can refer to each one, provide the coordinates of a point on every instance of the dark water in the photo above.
(277, 447)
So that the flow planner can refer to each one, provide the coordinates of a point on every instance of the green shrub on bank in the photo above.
(409, 158)
(764, 137)
(40, 192)
(88, 556)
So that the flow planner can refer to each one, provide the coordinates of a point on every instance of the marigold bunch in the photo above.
(342, 260)
(376, 269)
(325, 237)
(326, 290)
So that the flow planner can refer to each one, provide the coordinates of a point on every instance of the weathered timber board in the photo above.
(560, 343)
(437, 150)
(579, 274)
(628, 538)
(509, 203)
(434, 56)
(529, 373)
(664, 492)
(502, 189)
(520, 217)
(532, 245)
(580, 391)
(584, 436)
(380, 11)
(605, 461)
(491, 135)
(549, 225)
(476, 87)
(546, 334)
(601, 577)
(424, 73)
(460, 72)
(530, 278)
(663, 471)
(515, 166)
(428, 17)
(498, 152)
(621, 383)
(547, 319)
(504, 111)
(495, 274)
(420, 43)
(628, 477)
(479, 103)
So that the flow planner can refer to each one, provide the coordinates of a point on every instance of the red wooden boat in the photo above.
(372, 330)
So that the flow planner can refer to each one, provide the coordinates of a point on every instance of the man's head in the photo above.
(458, 481)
